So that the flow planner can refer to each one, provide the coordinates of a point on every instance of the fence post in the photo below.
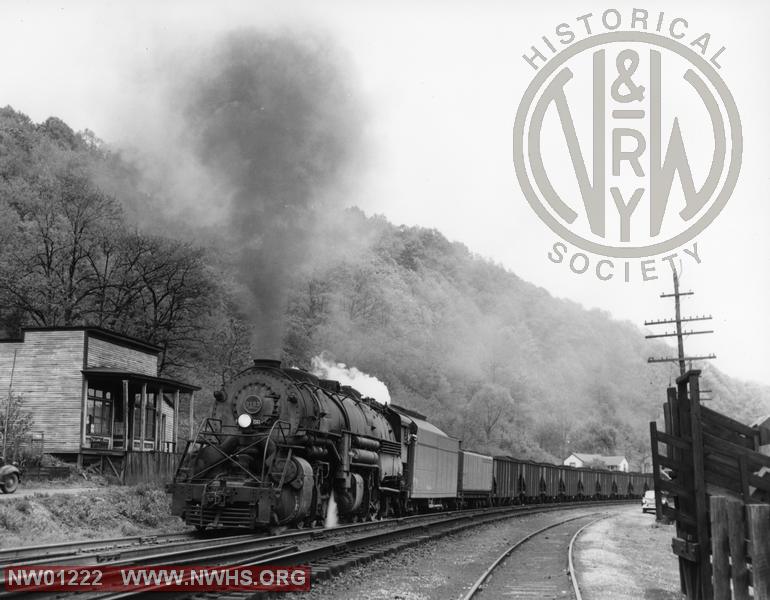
(737, 534)
(728, 549)
(720, 548)
(701, 509)
(758, 516)
(656, 469)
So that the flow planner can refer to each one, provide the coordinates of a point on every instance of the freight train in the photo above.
(284, 447)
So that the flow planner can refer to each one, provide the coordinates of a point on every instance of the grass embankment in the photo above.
(104, 512)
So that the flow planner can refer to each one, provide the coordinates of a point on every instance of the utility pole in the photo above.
(681, 358)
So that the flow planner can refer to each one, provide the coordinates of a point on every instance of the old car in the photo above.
(648, 500)
(9, 477)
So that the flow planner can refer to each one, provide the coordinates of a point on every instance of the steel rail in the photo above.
(296, 556)
(485, 575)
(570, 563)
(98, 547)
(230, 548)
(247, 550)
(419, 532)
(101, 548)
(8, 555)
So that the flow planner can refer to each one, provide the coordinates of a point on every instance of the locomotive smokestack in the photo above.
(267, 363)
(331, 385)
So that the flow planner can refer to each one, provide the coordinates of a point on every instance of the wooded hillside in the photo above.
(494, 360)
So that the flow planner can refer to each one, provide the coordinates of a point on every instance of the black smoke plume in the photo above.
(275, 119)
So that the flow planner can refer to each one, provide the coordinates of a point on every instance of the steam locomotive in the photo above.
(284, 447)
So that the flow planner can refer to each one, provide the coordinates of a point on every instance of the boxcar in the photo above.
(475, 478)
(623, 479)
(573, 487)
(507, 480)
(550, 478)
(591, 484)
(431, 461)
(606, 480)
(561, 482)
(531, 475)
(634, 481)
(640, 483)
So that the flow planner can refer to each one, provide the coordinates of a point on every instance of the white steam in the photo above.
(332, 519)
(369, 386)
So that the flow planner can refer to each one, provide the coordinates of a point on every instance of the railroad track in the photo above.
(9, 556)
(327, 558)
(187, 549)
(534, 566)
(573, 575)
(327, 551)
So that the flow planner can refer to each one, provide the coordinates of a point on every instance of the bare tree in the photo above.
(15, 424)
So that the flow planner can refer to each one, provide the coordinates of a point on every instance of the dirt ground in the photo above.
(624, 557)
(435, 570)
(627, 557)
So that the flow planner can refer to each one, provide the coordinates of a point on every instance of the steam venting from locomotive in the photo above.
(332, 516)
(367, 385)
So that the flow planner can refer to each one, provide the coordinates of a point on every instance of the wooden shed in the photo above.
(95, 393)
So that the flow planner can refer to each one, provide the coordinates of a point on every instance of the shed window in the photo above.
(149, 423)
(137, 414)
(99, 412)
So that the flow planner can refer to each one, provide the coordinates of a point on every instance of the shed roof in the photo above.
(121, 374)
(97, 332)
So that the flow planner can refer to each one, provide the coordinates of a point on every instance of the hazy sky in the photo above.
(441, 82)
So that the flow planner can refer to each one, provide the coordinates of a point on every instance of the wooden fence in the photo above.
(741, 570)
(149, 467)
(706, 454)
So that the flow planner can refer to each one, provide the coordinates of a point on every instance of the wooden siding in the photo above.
(168, 435)
(48, 377)
(149, 467)
(102, 353)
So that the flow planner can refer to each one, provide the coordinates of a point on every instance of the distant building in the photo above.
(611, 463)
(93, 393)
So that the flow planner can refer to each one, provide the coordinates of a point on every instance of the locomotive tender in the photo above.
(283, 445)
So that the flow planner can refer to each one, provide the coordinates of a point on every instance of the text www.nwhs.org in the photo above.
(166, 578)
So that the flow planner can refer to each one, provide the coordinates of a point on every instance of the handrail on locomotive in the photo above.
(208, 435)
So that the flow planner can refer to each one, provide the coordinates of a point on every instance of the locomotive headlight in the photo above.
(244, 421)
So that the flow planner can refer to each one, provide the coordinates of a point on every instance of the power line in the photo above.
(680, 334)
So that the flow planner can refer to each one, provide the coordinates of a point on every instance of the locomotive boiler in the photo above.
(281, 445)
